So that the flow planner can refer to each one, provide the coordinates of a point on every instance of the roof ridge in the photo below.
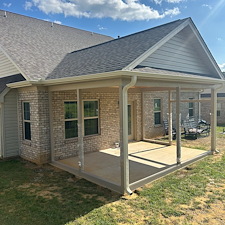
(45, 21)
(114, 40)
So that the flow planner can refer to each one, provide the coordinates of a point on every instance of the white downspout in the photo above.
(124, 161)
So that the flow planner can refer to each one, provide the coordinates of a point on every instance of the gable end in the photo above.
(7, 68)
(183, 53)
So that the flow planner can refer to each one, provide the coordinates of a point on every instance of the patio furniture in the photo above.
(166, 129)
(202, 124)
(192, 129)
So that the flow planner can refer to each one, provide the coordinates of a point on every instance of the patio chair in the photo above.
(191, 129)
(166, 129)
(202, 124)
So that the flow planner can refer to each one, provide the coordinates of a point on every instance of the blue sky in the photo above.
(123, 17)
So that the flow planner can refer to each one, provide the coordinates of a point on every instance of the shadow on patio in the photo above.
(145, 159)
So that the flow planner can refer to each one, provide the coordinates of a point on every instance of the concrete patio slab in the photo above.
(145, 159)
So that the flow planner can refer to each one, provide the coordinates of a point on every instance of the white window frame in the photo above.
(26, 121)
(219, 107)
(65, 120)
(94, 117)
(191, 108)
(159, 111)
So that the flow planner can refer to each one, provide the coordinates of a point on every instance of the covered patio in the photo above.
(147, 162)
(132, 165)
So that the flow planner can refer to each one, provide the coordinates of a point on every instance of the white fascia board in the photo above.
(176, 78)
(146, 54)
(20, 84)
(90, 77)
(206, 49)
(2, 95)
(163, 78)
(68, 80)
(17, 67)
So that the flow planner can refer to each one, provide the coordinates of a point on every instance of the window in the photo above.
(26, 121)
(219, 106)
(70, 110)
(191, 108)
(157, 111)
(91, 117)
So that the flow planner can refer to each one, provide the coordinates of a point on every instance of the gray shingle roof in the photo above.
(36, 47)
(10, 79)
(113, 55)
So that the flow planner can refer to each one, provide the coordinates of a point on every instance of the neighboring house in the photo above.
(66, 92)
(205, 106)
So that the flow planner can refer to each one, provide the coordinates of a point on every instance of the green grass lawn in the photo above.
(39, 195)
(32, 195)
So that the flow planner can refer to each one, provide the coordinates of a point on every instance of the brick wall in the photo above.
(108, 120)
(206, 110)
(38, 149)
(152, 130)
(184, 106)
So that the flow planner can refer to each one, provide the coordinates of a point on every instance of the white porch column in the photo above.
(178, 128)
(213, 119)
(80, 131)
(170, 117)
(124, 161)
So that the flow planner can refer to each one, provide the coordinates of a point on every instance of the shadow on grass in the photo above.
(31, 194)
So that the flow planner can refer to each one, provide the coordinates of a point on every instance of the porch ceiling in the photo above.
(145, 159)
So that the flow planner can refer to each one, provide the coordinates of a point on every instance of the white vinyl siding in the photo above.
(11, 147)
(179, 54)
(7, 68)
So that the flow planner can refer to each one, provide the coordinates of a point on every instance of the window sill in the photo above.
(158, 125)
(75, 139)
(91, 136)
(26, 142)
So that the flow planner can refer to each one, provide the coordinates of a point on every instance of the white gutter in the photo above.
(220, 86)
(116, 74)
(20, 84)
(178, 78)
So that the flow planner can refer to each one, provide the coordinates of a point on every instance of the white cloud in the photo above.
(158, 1)
(174, 1)
(219, 39)
(101, 27)
(28, 5)
(222, 67)
(207, 6)
(169, 1)
(127, 10)
(57, 21)
(7, 4)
